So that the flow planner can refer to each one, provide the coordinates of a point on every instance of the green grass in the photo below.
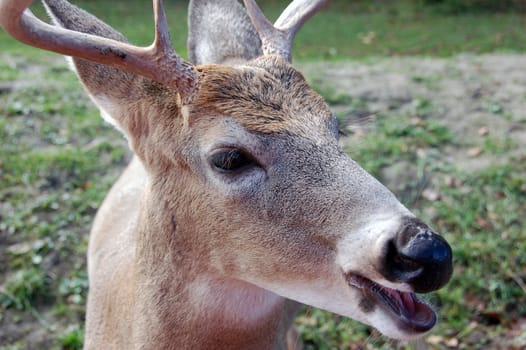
(344, 30)
(365, 35)
(56, 161)
(72, 339)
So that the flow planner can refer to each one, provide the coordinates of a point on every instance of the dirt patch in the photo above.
(476, 97)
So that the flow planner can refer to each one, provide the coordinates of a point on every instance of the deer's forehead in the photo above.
(261, 100)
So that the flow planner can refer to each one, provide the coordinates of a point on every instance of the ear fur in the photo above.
(220, 31)
(112, 89)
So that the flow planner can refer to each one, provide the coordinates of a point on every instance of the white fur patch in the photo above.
(234, 301)
(360, 251)
(71, 64)
(107, 108)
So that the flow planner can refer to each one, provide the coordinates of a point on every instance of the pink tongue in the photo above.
(409, 303)
(405, 301)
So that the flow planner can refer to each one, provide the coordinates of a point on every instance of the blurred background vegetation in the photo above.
(58, 159)
(354, 29)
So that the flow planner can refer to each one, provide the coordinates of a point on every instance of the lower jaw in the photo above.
(421, 319)
(414, 329)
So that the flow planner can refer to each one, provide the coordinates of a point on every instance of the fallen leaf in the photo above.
(474, 152)
(430, 194)
(416, 121)
(435, 339)
(483, 131)
(483, 223)
(421, 152)
(452, 343)
(451, 181)
(20, 248)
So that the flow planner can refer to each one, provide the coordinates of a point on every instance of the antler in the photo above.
(158, 61)
(278, 38)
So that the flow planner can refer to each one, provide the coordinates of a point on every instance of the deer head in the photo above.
(245, 177)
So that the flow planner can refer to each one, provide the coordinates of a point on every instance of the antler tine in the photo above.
(162, 40)
(297, 13)
(278, 38)
(158, 61)
(273, 40)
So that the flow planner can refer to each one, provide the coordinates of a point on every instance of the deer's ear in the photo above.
(111, 89)
(220, 31)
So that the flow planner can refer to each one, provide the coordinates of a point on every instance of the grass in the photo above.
(58, 159)
(357, 30)
(479, 213)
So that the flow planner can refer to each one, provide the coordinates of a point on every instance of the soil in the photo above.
(474, 96)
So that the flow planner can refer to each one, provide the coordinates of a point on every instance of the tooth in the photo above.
(355, 283)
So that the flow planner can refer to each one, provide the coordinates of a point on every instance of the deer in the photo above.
(239, 204)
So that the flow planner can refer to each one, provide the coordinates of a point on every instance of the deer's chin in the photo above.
(411, 315)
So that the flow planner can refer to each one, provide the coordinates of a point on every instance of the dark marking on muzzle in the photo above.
(367, 304)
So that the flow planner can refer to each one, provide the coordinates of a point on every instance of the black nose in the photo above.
(419, 257)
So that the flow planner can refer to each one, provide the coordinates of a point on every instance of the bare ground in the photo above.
(467, 93)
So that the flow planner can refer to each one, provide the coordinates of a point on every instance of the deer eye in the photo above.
(231, 160)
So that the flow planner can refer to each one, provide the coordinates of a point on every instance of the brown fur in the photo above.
(263, 97)
(155, 124)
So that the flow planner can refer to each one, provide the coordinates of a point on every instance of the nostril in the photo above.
(405, 263)
(400, 268)
(420, 257)
(426, 247)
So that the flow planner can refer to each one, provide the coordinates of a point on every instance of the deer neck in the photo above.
(181, 301)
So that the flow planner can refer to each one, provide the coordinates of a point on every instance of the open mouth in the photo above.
(406, 308)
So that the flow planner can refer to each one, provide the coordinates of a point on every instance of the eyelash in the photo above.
(231, 160)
